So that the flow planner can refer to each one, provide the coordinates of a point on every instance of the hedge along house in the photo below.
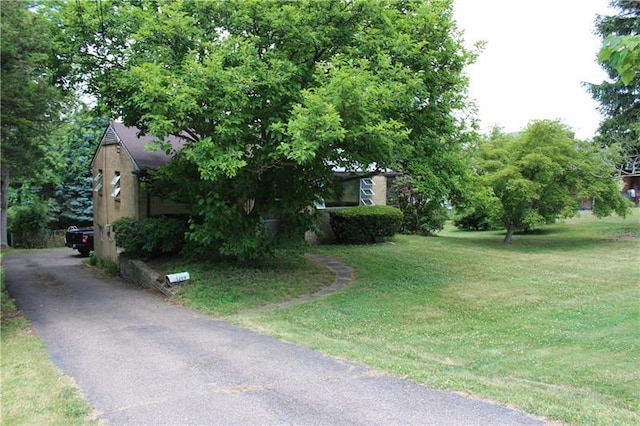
(119, 167)
(357, 189)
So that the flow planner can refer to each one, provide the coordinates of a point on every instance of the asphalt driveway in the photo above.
(142, 360)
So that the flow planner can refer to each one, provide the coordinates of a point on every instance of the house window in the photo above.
(115, 182)
(344, 193)
(350, 192)
(392, 193)
(366, 192)
(97, 182)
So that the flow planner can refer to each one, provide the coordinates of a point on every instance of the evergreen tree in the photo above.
(619, 102)
(77, 142)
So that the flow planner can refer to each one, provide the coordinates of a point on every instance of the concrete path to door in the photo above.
(142, 360)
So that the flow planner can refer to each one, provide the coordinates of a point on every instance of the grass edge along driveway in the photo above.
(549, 325)
(34, 390)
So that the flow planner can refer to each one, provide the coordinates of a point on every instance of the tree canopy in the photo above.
(623, 54)
(619, 97)
(30, 99)
(541, 174)
(273, 96)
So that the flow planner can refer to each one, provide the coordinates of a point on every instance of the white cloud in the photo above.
(537, 55)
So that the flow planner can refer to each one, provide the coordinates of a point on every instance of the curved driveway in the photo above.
(142, 360)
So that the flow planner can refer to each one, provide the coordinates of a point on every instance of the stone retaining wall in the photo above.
(140, 274)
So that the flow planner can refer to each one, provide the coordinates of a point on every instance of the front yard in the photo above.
(550, 325)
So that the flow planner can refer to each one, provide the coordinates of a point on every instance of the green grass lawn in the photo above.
(224, 289)
(550, 324)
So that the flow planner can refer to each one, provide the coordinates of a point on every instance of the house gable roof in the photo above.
(134, 144)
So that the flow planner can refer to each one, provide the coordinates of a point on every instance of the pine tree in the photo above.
(619, 102)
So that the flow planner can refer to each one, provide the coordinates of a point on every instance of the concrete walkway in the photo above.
(344, 275)
(141, 360)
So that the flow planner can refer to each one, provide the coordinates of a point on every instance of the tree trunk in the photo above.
(509, 237)
(4, 204)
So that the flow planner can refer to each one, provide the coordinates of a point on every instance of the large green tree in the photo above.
(542, 174)
(619, 96)
(74, 144)
(29, 98)
(63, 177)
(273, 95)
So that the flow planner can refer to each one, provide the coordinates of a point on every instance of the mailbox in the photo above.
(177, 279)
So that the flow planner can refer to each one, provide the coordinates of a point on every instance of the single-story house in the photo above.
(119, 167)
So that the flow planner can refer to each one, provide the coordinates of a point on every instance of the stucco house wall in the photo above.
(109, 162)
(117, 166)
(379, 197)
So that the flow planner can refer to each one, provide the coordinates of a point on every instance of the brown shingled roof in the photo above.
(134, 143)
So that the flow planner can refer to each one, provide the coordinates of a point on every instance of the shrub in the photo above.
(430, 219)
(109, 266)
(151, 237)
(28, 224)
(365, 224)
(129, 235)
(422, 215)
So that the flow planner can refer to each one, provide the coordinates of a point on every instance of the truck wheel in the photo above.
(84, 252)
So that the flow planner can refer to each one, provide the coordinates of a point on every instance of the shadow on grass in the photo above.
(556, 238)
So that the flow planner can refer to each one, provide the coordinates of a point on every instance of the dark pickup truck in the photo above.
(80, 239)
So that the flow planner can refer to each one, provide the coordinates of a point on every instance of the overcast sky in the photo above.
(537, 54)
